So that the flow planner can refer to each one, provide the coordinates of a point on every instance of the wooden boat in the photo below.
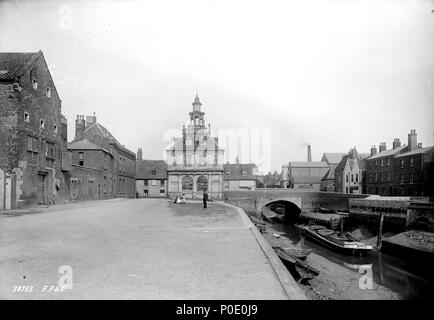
(303, 269)
(330, 239)
(298, 253)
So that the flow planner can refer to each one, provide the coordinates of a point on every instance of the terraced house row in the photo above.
(404, 170)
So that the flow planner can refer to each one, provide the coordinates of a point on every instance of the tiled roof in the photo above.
(235, 171)
(348, 158)
(308, 164)
(106, 133)
(386, 153)
(13, 64)
(144, 169)
(84, 145)
(415, 151)
(335, 158)
(329, 175)
(332, 157)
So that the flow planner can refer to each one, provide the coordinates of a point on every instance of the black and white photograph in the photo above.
(211, 150)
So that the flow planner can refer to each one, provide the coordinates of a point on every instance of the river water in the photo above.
(408, 278)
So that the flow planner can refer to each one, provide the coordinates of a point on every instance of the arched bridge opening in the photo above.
(286, 210)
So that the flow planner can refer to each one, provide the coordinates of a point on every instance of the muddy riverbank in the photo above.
(373, 277)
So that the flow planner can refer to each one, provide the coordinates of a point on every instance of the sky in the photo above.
(333, 74)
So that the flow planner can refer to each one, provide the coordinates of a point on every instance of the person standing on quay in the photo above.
(205, 198)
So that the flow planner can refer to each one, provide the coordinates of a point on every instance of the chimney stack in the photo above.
(373, 150)
(382, 147)
(396, 143)
(309, 153)
(353, 153)
(419, 145)
(412, 140)
(139, 154)
(90, 120)
(79, 125)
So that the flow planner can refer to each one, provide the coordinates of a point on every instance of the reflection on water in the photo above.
(411, 279)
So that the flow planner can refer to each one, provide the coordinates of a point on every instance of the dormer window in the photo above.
(48, 91)
(26, 117)
(154, 172)
(42, 124)
(35, 84)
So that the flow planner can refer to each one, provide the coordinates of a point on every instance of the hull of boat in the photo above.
(333, 245)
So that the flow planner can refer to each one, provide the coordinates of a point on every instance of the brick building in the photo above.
(349, 173)
(414, 172)
(118, 167)
(92, 171)
(33, 131)
(379, 168)
(239, 176)
(401, 171)
(195, 161)
(304, 174)
(151, 177)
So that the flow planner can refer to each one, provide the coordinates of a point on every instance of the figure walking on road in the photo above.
(205, 198)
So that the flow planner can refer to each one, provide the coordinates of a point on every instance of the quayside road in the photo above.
(135, 249)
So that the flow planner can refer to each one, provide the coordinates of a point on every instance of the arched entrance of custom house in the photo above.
(202, 185)
(187, 186)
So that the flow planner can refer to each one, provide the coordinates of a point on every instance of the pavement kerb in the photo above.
(56, 207)
(290, 286)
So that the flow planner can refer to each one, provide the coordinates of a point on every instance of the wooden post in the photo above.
(342, 226)
(380, 231)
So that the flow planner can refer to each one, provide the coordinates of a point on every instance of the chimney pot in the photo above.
(396, 143)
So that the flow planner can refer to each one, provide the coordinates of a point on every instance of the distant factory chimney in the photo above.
(139, 154)
(309, 153)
